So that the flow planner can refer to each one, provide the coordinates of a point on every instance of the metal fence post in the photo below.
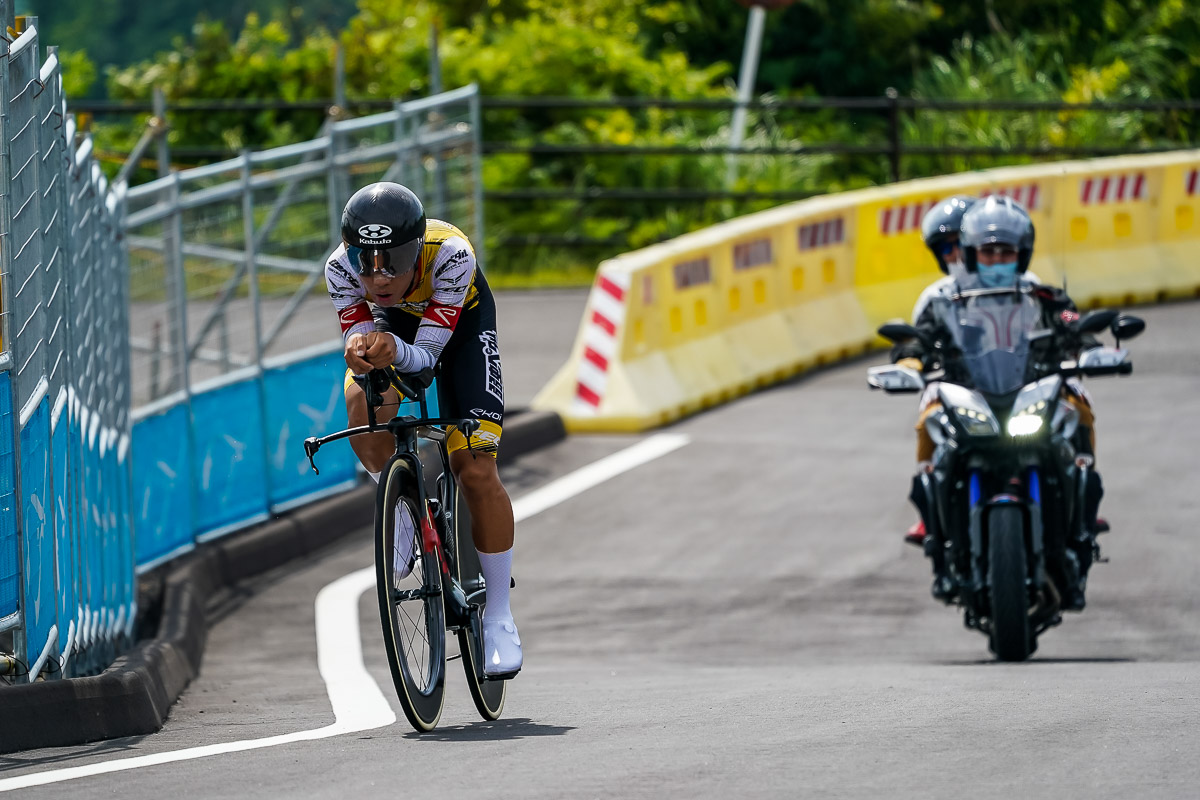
(160, 120)
(177, 284)
(255, 307)
(893, 107)
(332, 203)
(477, 168)
(398, 131)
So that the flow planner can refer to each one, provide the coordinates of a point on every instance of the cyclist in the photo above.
(408, 294)
(997, 245)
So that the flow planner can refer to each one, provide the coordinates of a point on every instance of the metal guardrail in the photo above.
(188, 230)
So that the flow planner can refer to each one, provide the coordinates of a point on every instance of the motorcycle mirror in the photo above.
(1126, 326)
(1096, 321)
(898, 331)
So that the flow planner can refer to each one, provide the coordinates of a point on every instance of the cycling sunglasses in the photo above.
(390, 261)
(946, 248)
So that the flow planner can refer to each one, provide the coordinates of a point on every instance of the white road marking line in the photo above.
(596, 473)
(358, 704)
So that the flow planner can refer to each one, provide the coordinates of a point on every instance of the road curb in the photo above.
(134, 695)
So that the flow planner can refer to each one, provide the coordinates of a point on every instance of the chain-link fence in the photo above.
(66, 546)
(226, 259)
(236, 349)
(162, 358)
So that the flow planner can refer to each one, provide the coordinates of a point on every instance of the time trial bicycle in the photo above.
(427, 583)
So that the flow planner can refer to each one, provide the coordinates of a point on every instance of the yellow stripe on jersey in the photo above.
(436, 234)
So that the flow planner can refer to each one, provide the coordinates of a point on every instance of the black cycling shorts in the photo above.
(470, 383)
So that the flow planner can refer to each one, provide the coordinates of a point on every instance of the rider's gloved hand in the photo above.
(381, 349)
(367, 351)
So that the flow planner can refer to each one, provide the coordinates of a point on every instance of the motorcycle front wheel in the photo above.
(1012, 637)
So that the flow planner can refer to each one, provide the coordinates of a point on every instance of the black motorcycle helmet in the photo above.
(941, 222)
(383, 226)
(997, 220)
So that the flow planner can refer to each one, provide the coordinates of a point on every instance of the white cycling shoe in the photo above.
(501, 648)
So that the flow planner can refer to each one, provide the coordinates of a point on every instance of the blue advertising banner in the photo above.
(65, 551)
(162, 480)
(37, 507)
(230, 467)
(306, 399)
(10, 571)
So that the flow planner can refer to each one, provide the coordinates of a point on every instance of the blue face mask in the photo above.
(998, 276)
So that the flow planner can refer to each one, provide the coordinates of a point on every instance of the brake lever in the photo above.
(311, 446)
(469, 428)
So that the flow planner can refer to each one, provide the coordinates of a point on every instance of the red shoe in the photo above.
(916, 534)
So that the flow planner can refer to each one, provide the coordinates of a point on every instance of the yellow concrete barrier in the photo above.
(686, 324)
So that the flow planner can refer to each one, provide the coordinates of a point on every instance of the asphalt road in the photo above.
(740, 618)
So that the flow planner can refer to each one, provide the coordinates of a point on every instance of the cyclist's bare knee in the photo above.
(475, 472)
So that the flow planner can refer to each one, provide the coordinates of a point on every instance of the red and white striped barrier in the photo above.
(1191, 179)
(821, 234)
(905, 218)
(1027, 194)
(1121, 188)
(605, 315)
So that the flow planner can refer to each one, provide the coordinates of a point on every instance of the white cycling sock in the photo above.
(374, 476)
(405, 543)
(497, 572)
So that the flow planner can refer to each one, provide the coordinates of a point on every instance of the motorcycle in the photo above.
(1010, 496)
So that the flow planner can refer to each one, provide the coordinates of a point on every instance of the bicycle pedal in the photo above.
(502, 676)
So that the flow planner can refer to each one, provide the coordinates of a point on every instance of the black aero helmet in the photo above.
(997, 220)
(941, 222)
(383, 226)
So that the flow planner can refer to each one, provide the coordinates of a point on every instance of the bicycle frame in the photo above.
(461, 611)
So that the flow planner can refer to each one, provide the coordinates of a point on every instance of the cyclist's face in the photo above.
(997, 253)
(389, 291)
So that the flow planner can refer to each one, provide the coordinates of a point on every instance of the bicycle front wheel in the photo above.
(488, 695)
(408, 578)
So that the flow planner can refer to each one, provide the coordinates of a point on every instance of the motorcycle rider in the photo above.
(996, 242)
(940, 232)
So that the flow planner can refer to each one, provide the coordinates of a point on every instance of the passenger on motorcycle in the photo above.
(997, 239)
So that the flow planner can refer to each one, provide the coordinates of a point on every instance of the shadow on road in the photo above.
(520, 728)
(1035, 661)
(111, 747)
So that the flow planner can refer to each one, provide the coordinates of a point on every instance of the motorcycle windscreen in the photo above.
(992, 331)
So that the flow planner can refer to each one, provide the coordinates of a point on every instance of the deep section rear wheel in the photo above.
(408, 578)
(488, 695)
(1012, 636)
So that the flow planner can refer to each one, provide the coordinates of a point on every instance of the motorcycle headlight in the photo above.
(969, 409)
(1033, 404)
(974, 422)
(1024, 425)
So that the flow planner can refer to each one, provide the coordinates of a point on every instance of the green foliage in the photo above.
(78, 71)
(119, 33)
(1075, 50)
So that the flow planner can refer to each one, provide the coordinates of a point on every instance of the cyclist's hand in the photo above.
(356, 351)
(381, 349)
